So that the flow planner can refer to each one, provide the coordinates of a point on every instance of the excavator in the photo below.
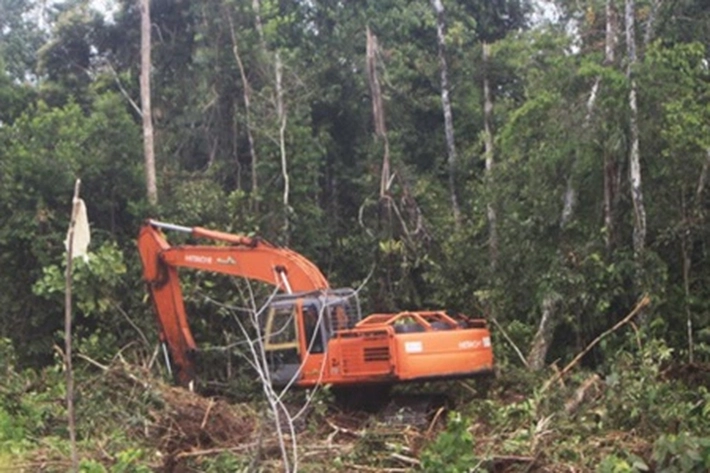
(312, 334)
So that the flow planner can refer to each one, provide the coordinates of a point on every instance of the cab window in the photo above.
(281, 328)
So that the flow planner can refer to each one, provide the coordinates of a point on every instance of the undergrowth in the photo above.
(641, 413)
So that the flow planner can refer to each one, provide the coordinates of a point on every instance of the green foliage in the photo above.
(95, 282)
(617, 464)
(31, 405)
(20, 37)
(452, 450)
(682, 453)
(127, 461)
(222, 462)
(44, 150)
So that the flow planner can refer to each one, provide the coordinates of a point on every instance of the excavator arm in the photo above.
(235, 255)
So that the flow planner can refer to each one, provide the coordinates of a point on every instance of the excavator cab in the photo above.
(298, 327)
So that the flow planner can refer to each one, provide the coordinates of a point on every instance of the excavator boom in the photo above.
(240, 255)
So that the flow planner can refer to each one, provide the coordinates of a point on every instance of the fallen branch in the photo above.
(405, 459)
(213, 451)
(207, 414)
(557, 372)
(37, 466)
(509, 340)
(106, 368)
(354, 467)
(435, 419)
(513, 459)
(580, 394)
(92, 362)
(645, 300)
(344, 430)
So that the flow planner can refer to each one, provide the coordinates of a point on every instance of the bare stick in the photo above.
(133, 324)
(67, 329)
(207, 413)
(508, 339)
(405, 459)
(213, 451)
(93, 362)
(645, 300)
(434, 420)
(580, 394)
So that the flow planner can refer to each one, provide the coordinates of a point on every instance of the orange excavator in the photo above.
(311, 334)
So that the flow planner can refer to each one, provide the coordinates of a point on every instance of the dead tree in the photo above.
(146, 110)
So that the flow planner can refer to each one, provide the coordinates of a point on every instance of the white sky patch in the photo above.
(544, 12)
(107, 7)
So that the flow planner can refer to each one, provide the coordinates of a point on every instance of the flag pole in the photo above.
(67, 329)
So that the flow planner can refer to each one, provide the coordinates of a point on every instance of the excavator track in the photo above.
(393, 409)
(414, 410)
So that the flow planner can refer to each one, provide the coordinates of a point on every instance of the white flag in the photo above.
(82, 235)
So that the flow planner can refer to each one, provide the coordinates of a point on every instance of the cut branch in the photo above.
(645, 300)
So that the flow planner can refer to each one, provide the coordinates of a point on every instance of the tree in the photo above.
(639, 238)
(446, 107)
(20, 39)
(146, 109)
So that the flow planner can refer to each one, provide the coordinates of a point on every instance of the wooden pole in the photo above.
(67, 329)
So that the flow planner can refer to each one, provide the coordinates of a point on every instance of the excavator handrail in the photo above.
(425, 319)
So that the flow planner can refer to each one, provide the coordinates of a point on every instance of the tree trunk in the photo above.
(256, 6)
(378, 112)
(446, 105)
(146, 110)
(543, 336)
(651, 22)
(702, 180)
(282, 144)
(407, 212)
(639, 234)
(247, 116)
(685, 247)
(611, 182)
(490, 163)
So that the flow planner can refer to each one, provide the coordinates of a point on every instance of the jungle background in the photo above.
(541, 164)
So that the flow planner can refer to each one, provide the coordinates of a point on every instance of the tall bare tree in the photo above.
(146, 109)
(612, 176)
(639, 236)
(446, 105)
(378, 113)
(281, 114)
(246, 95)
(490, 163)
(404, 210)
